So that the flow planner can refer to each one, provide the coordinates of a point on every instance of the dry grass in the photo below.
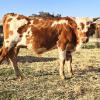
(43, 82)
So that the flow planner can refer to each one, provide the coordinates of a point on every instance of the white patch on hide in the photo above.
(24, 38)
(29, 46)
(62, 54)
(83, 20)
(59, 22)
(31, 22)
(14, 25)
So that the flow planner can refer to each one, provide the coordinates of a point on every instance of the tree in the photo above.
(45, 15)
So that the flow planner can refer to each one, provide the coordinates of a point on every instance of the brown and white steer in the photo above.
(86, 25)
(40, 35)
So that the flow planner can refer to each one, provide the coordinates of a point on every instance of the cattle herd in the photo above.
(67, 34)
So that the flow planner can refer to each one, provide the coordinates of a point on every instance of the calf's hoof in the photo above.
(71, 75)
(62, 77)
(20, 78)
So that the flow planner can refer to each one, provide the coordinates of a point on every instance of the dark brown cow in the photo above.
(40, 35)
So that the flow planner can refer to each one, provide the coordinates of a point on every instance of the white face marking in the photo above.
(84, 21)
(59, 22)
(62, 54)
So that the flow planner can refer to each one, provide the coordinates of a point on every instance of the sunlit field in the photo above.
(42, 80)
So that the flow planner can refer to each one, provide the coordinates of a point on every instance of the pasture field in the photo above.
(42, 80)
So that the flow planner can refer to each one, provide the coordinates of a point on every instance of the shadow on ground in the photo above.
(31, 59)
(88, 69)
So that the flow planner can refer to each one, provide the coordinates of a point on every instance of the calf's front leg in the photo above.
(62, 57)
(69, 61)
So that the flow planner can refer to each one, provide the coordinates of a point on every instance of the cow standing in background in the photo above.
(40, 35)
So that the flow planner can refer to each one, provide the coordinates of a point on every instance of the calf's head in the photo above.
(85, 27)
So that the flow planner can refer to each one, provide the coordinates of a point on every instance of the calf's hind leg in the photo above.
(3, 53)
(13, 59)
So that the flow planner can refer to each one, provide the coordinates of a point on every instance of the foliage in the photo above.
(45, 15)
